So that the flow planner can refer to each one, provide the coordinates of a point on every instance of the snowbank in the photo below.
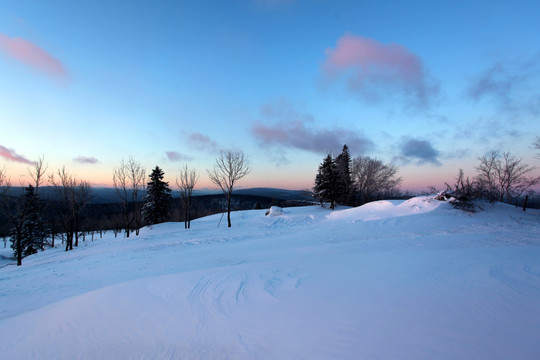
(385, 209)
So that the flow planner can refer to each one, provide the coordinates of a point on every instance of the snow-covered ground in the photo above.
(388, 280)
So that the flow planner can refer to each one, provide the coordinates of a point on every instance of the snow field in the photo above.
(388, 280)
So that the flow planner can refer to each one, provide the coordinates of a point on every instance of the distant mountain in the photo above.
(278, 194)
(102, 195)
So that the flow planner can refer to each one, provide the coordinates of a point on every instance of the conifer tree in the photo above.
(33, 233)
(327, 182)
(343, 165)
(157, 200)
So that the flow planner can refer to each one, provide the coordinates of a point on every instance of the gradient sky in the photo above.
(427, 85)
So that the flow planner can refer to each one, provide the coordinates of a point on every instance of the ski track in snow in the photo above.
(412, 279)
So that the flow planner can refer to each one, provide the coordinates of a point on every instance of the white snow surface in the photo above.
(388, 280)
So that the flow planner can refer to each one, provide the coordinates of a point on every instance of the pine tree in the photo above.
(157, 200)
(32, 233)
(343, 165)
(327, 182)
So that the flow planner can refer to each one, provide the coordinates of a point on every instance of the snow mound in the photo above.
(274, 211)
(384, 209)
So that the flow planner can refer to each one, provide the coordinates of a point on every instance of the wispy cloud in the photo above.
(282, 126)
(373, 71)
(11, 155)
(511, 84)
(86, 160)
(421, 151)
(177, 157)
(203, 142)
(32, 55)
(487, 129)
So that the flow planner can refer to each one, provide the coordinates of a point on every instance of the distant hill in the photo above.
(102, 195)
(278, 194)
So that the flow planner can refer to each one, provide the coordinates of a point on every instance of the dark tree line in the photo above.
(31, 225)
(355, 181)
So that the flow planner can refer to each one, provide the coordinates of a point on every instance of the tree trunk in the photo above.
(188, 212)
(19, 247)
(52, 233)
(76, 233)
(229, 209)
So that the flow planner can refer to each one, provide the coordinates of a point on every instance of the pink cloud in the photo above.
(11, 155)
(203, 142)
(176, 156)
(373, 69)
(32, 55)
(283, 126)
(86, 160)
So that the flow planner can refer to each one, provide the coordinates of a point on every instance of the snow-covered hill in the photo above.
(388, 280)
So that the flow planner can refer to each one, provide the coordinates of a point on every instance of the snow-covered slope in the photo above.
(388, 280)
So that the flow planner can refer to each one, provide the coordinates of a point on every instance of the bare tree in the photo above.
(372, 177)
(486, 178)
(504, 177)
(536, 145)
(129, 180)
(230, 167)
(37, 172)
(73, 195)
(463, 187)
(186, 181)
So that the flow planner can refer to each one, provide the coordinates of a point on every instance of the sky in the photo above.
(428, 86)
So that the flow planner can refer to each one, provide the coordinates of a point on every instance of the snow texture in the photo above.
(412, 279)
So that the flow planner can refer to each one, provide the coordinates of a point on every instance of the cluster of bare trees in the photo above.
(74, 195)
(186, 181)
(129, 182)
(500, 177)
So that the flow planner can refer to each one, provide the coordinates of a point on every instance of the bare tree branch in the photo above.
(536, 146)
(37, 173)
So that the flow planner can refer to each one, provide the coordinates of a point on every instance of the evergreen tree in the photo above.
(327, 182)
(32, 232)
(157, 200)
(343, 165)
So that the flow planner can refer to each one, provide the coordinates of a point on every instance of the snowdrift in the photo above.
(412, 279)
